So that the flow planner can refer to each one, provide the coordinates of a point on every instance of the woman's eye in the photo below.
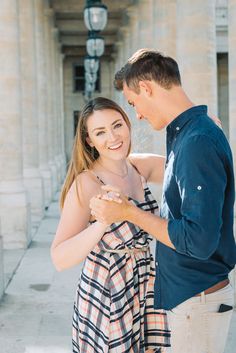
(118, 125)
(100, 133)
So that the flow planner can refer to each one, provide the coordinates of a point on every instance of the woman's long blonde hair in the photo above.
(83, 156)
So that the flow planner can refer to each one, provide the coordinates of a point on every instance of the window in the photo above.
(78, 75)
(79, 78)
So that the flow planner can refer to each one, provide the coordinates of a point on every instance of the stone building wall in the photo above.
(32, 154)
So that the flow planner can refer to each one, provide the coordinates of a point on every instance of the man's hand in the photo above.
(111, 207)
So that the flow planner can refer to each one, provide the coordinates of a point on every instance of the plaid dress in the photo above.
(114, 305)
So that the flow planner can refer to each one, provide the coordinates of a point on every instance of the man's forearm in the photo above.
(152, 224)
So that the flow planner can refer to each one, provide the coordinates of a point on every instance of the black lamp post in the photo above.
(95, 18)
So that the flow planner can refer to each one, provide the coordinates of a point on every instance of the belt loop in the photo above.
(203, 297)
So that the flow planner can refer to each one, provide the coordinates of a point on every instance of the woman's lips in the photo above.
(116, 146)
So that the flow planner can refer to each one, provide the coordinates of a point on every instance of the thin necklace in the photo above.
(121, 176)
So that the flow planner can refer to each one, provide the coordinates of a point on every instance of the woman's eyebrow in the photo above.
(102, 127)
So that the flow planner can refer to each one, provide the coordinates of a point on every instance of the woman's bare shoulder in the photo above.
(86, 185)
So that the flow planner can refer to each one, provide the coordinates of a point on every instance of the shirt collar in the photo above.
(178, 123)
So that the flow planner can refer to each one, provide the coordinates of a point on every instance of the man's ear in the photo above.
(145, 87)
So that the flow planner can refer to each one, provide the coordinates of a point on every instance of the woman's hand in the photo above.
(112, 194)
(111, 207)
(216, 120)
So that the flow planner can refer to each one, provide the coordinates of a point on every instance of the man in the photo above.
(195, 244)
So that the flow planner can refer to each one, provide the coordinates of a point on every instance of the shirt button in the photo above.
(199, 187)
(177, 128)
(156, 263)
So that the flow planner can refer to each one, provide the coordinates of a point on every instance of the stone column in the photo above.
(14, 204)
(126, 43)
(196, 50)
(56, 104)
(143, 140)
(145, 11)
(125, 47)
(42, 100)
(124, 53)
(164, 34)
(164, 27)
(50, 101)
(62, 115)
(125, 37)
(118, 65)
(56, 54)
(133, 14)
(32, 178)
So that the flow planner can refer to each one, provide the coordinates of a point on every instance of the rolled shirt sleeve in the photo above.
(201, 178)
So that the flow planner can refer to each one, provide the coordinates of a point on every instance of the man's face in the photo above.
(144, 106)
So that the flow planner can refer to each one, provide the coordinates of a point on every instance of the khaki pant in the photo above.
(197, 326)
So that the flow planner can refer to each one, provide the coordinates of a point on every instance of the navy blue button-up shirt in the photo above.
(198, 199)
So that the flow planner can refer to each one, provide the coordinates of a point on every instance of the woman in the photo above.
(113, 310)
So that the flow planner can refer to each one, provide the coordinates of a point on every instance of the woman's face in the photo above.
(109, 134)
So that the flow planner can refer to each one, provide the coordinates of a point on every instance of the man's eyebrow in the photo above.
(102, 127)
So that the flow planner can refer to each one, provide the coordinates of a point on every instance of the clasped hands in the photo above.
(109, 207)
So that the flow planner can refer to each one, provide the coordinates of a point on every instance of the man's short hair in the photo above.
(146, 64)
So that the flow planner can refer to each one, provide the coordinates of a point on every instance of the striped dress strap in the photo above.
(142, 178)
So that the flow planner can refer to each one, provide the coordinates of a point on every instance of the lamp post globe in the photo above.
(95, 44)
(90, 77)
(89, 86)
(91, 64)
(95, 15)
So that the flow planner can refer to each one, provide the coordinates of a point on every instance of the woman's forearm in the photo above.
(75, 249)
(151, 166)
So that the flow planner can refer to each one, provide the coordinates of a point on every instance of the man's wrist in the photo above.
(132, 213)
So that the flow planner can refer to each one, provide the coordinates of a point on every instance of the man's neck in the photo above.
(179, 104)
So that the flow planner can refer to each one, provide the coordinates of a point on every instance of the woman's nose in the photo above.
(112, 135)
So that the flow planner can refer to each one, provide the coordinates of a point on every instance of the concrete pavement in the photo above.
(36, 311)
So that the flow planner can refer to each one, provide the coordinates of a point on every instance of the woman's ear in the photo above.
(89, 142)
